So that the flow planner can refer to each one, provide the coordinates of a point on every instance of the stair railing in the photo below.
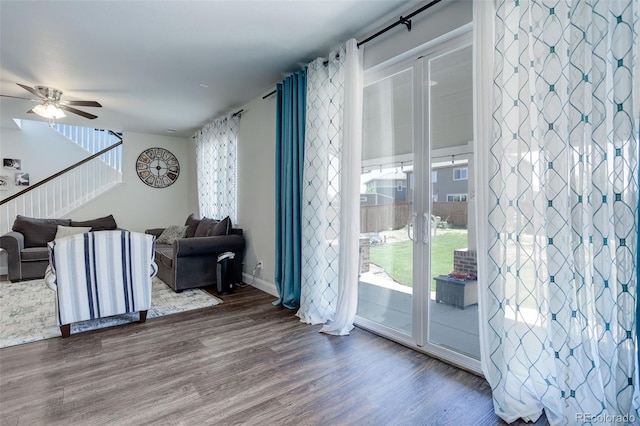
(66, 190)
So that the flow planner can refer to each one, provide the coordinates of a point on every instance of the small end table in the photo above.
(456, 291)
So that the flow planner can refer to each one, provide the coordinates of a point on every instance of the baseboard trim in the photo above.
(260, 284)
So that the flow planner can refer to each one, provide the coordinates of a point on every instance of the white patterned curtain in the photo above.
(216, 162)
(558, 311)
(330, 204)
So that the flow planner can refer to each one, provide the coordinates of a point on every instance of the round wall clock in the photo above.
(157, 167)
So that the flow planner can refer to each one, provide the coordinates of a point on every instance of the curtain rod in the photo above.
(323, 63)
(404, 20)
(232, 115)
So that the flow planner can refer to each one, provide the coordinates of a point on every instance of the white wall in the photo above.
(137, 206)
(42, 151)
(256, 185)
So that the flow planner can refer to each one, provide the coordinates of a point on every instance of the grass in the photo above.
(397, 258)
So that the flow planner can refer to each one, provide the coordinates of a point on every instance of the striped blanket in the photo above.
(100, 274)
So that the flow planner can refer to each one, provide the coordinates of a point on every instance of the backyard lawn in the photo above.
(397, 258)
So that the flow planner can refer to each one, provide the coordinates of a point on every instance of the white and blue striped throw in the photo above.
(100, 274)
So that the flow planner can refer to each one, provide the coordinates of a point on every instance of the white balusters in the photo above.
(66, 192)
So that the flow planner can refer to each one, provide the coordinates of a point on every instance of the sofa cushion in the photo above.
(164, 256)
(203, 227)
(192, 224)
(66, 231)
(220, 228)
(38, 232)
(172, 233)
(33, 254)
(107, 223)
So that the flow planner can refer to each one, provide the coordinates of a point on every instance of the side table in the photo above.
(456, 291)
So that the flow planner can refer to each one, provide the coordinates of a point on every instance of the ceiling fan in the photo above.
(51, 106)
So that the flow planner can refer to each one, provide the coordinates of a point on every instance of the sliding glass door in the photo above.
(417, 283)
(386, 200)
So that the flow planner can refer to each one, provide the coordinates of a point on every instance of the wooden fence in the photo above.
(394, 216)
(455, 213)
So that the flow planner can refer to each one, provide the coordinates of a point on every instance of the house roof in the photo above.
(385, 174)
(158, 65)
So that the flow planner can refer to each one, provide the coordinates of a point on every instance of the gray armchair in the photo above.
(26, 246)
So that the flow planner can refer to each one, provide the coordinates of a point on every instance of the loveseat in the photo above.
(26, 244)
(187, 255)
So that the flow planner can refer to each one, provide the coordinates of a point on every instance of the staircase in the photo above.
(76, 185)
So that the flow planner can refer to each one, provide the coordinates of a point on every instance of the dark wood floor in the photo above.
(242, 362)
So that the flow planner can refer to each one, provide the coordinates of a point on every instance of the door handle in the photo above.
(426, 228)
(410, 222)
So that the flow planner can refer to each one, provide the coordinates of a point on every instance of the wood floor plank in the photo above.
(242, 362)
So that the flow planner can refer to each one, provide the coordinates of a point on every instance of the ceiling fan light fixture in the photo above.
(49, 110)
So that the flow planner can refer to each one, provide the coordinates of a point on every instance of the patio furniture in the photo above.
(458, 292)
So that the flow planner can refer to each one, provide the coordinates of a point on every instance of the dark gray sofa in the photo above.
(191, 262)
(26, 244)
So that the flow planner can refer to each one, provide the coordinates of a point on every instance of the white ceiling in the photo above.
(146, 61)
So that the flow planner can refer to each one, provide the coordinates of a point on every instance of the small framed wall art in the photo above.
(12, 163)
(22, 179)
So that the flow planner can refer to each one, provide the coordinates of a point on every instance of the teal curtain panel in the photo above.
(290, 132)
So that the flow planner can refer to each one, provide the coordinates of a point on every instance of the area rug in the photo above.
(27, 310)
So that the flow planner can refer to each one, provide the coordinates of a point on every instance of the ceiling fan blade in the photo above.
(84, 103)
(77, 111)
(31, 90)
(18, 97)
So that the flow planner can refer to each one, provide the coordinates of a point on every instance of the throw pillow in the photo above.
(203, 227)
(38, 232)
(107, 223)
(220, 228)
(172, 233)
(67, 231)
(192, 224)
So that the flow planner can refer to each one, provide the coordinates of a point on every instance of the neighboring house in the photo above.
(388, 188)
(450, 182)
